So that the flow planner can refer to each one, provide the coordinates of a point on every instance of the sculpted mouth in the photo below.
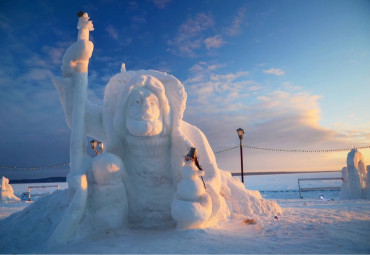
(146, 117)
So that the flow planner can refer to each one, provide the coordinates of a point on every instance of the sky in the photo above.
(292, 74)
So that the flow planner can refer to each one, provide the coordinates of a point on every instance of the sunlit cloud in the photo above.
(274, 71)
(290, 86)
(279, 118)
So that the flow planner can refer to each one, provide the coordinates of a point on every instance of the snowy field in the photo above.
(308, 225)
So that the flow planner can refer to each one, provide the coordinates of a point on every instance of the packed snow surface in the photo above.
(309, 225)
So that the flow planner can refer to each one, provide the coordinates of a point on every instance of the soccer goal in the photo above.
(43, 188)
(311, 184)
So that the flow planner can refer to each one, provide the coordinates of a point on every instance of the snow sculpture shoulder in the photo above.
(355, 177)
(141, 180)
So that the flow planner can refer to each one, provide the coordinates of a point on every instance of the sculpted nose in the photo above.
(145, 105)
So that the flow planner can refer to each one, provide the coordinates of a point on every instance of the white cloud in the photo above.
(5, 22)
(55, 54)
(112, 32)
(214, 42)
(37, 74)
(190, 37)
(237, 23)
(139, 19)
(160, 3)
(275, 71)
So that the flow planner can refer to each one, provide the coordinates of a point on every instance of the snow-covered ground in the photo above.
(308, 225)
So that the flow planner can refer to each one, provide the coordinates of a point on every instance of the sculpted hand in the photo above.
(76, 58)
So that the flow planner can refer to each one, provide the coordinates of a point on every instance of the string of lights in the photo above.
(229, 149)
(34, 168)
(302, 150)
(293, 150)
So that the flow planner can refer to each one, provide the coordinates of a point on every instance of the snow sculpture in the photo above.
(355, 177)
(140, 181)
(7, 193)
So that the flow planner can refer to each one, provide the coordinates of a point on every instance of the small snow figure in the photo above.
(192, 155)
(192, 205)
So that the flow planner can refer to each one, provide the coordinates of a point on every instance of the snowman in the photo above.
(192, 205)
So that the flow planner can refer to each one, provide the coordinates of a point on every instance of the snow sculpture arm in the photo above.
(75, 63)
(72, 89)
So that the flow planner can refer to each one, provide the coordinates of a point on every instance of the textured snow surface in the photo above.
(308, 225)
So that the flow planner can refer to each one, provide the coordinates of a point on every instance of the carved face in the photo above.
(143, 114)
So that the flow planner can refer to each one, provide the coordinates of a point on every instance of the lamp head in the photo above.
(240, 133)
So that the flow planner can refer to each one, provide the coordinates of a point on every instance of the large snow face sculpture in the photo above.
(141, 179)
(143, 115)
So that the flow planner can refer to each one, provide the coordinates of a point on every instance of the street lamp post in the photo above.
(241, 134)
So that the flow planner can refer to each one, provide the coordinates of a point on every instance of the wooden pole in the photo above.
(241, 160)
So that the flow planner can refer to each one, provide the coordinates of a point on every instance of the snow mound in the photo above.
(36, 222)
(243, 201)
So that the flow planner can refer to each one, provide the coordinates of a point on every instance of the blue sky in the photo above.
(293, 74)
